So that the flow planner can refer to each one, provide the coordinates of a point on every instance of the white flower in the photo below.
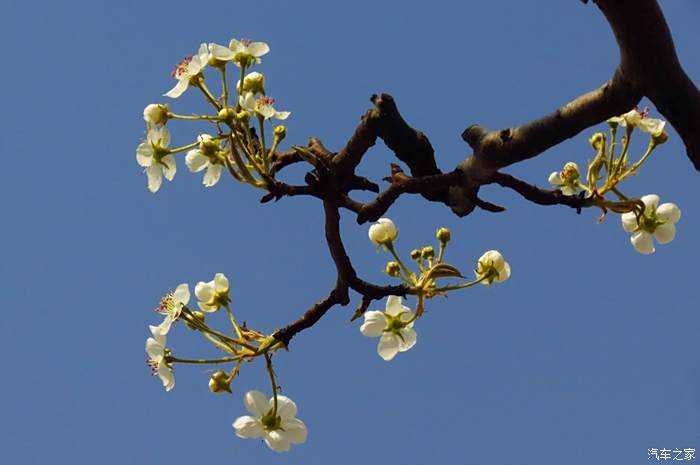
(383, 232)
(657, 220)
(206, 156)
(394, 326)
(155, 113)
(492, 267)
(566, 180)
(263, 106)
(246, 52)
(635, 118)
(188, 68)
(171, 305)
(213, 294)
(278, 431)
(155, 348)
(153, 154)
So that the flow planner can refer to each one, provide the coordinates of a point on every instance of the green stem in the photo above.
(170, 358)
(205, 90)
(460, 286)
(650, 148)
(270, 371)
(619, 194)
(239, 162)
(261, 122)
(443, 246)
(183, 148)
(240, 89)
(233, 322)
(224, 86)
(390, 247)
(611, 158)
(193, 117)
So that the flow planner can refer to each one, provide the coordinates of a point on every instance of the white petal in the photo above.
(155, 177)
(248, 427)
(651, 201)
(236, 46)
(220, 282)
(504, 273)
(669, 212)
(267, 111)
(555, 179)
(276, 440)
(144, 154)
(295, 430)
(282, 114)
(170, 167)
(258, 49)
(388, 346)
(154, 349)
(256, 403)
(568, 190)
(195, 161)
(652, 125)
(374, 325)
(162, 136)
(642, 242)
(393, 305)
(248, 102)
(165, 326)
(182, 293)
(665, 233)
(179, 88)
(286, 408)
(629, 221)
(220, 52)
(212, 176)
(204, 291)
(166, 376)
(409, 339)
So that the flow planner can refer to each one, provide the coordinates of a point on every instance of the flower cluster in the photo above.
(640, 217)
(233, 145)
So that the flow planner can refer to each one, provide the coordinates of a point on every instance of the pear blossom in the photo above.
(636, 118)
(394, 326)
(155, 114)
(188, 68)
(657, 220)
(155, 348)
(206, 156)
(213, 294)
(278, 431)
(253, 82)
(383, 232)
(171, 305)
(566, 180)
(246, 52)
(263, 106)
(492, 267)
(154, 156)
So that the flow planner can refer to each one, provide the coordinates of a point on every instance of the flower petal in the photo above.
(665, 233)
(409, 339)
(256, 403)
(204, 291)
(393, 305)
(170, 167)
(276, 440)
(295, 430)
(286, 408)
(388, 346)
(629, 221)
(221, 53)
(179, 88)
(195, 161)
(554, 179)
(154, 349)
(374, 325)
(642, 242)
(504, 273)
(651, 201)
(248, 102)
(258, 49)
(282, 115)
(248, 427)
(212, 176)
(669, 212)
(182, 294)
(166, 376)
(155, 177)
(144, 154)
(220, 282)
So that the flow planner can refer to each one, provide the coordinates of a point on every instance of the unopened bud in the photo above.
(254, 82)
(243, 117)
(220, 382)
(659, 138)
(415, 254)
(570, 173)
(227, 114)
(280, 132)
(428, 253)
(443, 235)
(155, 113)
(393, 269)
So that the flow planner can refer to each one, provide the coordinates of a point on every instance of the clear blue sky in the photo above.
(589, 354)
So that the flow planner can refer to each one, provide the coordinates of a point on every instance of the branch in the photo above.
(540, 196)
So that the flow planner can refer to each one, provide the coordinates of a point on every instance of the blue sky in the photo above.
(587, 354)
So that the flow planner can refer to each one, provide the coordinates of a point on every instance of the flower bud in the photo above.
(393, 269)
(220, 382)
(415, 254)
(155, 113)
(227, 114)
(443, 235)
(253, 82)
(428, 252)
(492, 267)
(197, 315)
(243, 117)
(596, 140)
(659, 138)
(280, 132)
(383, 232)
(207, 144)
(570, 173)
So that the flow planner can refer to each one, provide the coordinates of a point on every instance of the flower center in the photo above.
(181, 67)
(643, 113)
(264, 102)
(152, 365)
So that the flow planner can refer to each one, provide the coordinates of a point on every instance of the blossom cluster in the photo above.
(644, 217)
(233, 144)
